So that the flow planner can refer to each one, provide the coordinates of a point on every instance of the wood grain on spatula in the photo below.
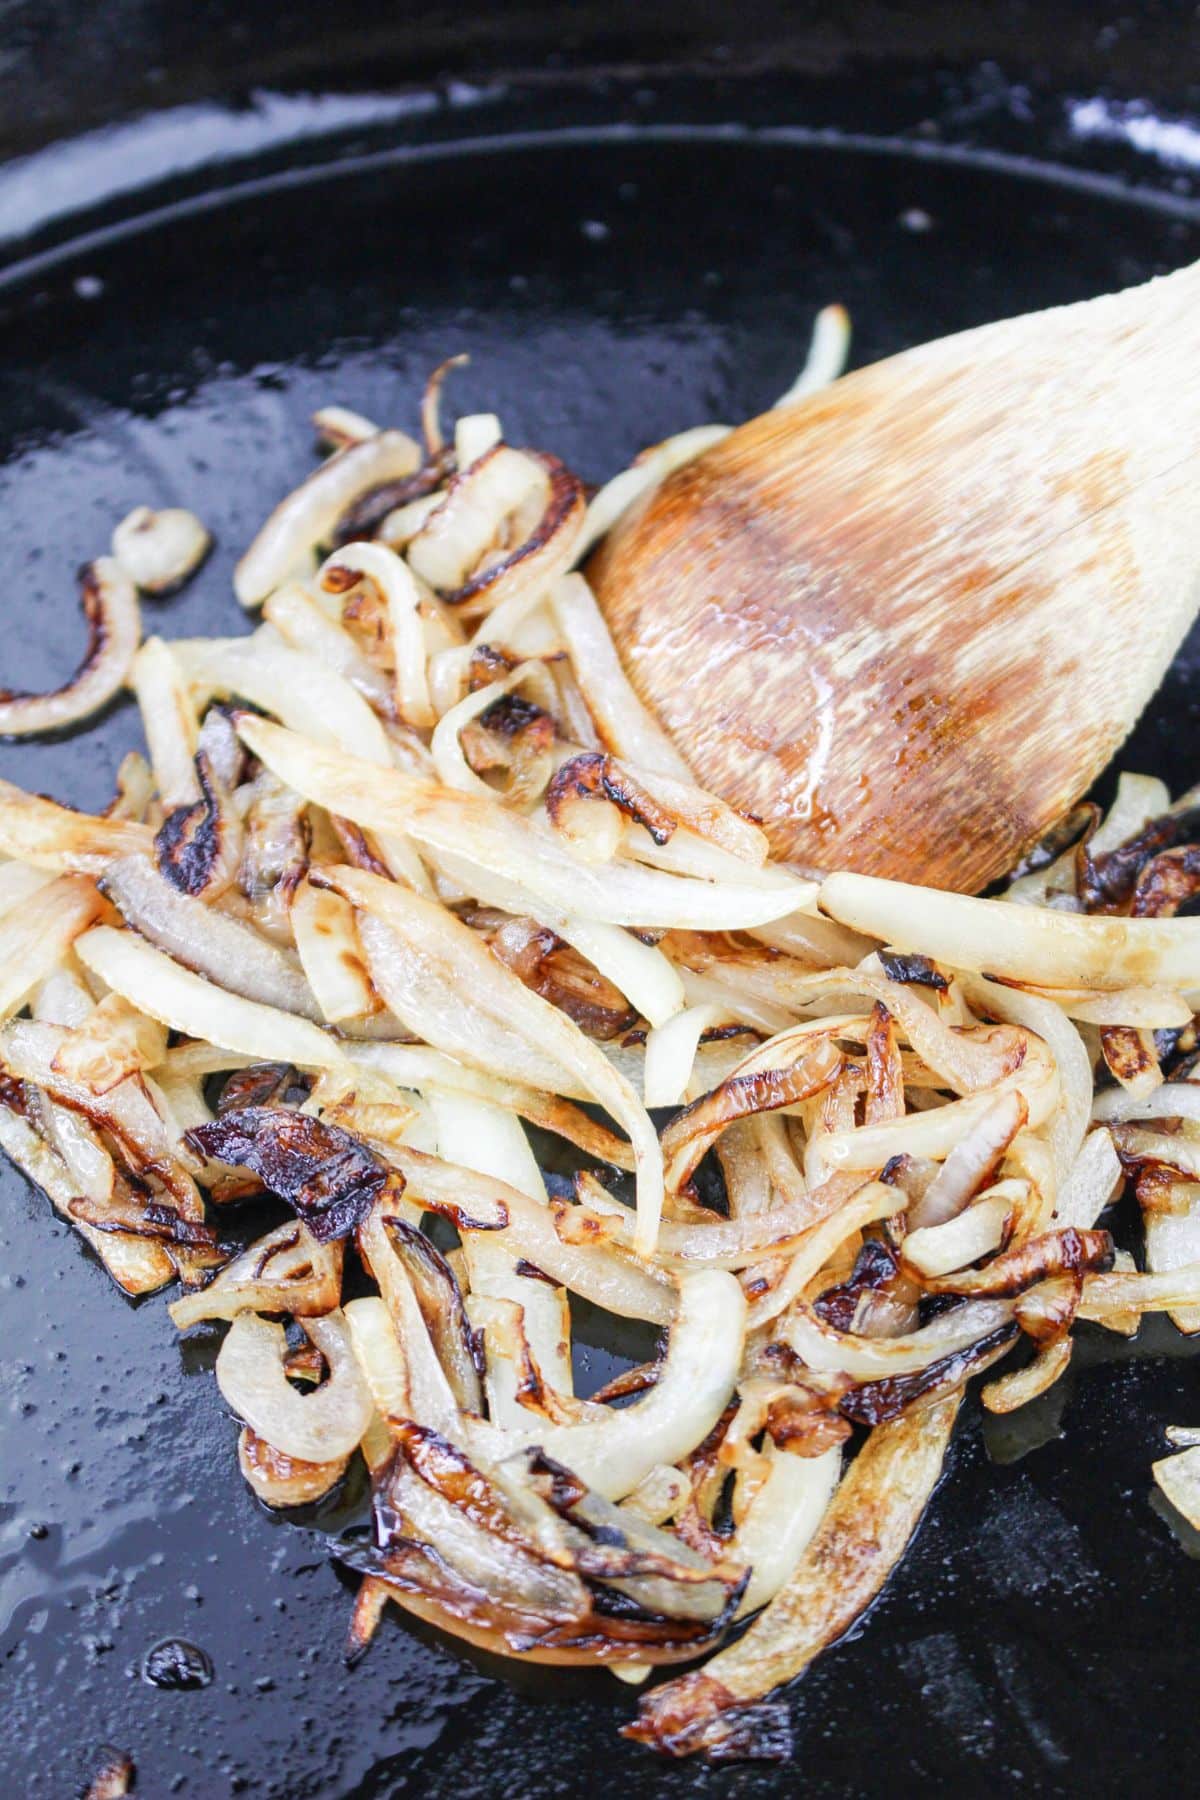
(907, 621)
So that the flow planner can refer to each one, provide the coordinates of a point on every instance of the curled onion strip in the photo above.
(310, 513)
(320, 1427)
(110, 609)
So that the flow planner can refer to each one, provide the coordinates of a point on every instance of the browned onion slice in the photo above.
(110, 608)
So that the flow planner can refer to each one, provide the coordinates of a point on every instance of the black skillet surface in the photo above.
(612, 286)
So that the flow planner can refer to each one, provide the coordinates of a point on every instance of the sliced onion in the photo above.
(862, 1537)
(308, 516)
(110, 609)
(285, 1271)
(823, 1348)
(35, 939)
(310, 696)
(49, 836)
(169, 722)
(598, 1273)
(1053, 949)
(209, 942)
(826, 357)
(1170, 1100)
(496, 842)
(280, 1480)
(648, 472)
(318, 1427)
(137, 1265)
(1019, 1386)
(962, 1238)
(613, 1454)
(304, 625)
(1178, 1477)
(783, 1516)
(415, 948)
(671, 1053)
(1093, 1180)
(166, 991)
(392, 1342)
(624, 724)
(491, 1141)
(159, 551)
(971, 1164)
(332, 957)
(394, 583)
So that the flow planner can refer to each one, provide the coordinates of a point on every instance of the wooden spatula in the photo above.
(908, 620)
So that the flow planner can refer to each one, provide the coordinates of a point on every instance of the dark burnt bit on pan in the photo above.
(329, 1177)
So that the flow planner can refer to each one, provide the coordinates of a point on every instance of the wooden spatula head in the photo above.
(908, 621)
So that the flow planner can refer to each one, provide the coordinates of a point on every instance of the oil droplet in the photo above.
(174, 1663)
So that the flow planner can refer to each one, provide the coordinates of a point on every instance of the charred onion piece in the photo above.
(329, 1177)
(110, 609)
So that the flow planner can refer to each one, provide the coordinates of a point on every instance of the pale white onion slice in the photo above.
(1070, 1121)
(823, 1348)
(783, 1516)
(647, 472)
(1053, 949)
(1178, 1477)
(308, 516)
(396, 1357)
(110, 609)
(304, 625)
(626, 726)
(1170, 1100)
(642, 973)
(977, 1155)
(491, 1141)
(137, 1265)
(613, 1454)
(471, 513)
(316, 1427)
(827, 353)
(1093, 1179)
(671, 1054)
(169, 722)
(964, 1238)
(435, 975)
(1138, 798)
(186, 1002)
(205, 940)
(310, 696)
(393, 581)
(332, 957)
(341, 426)
(35, 939)
(160, 550)
(597, 1272)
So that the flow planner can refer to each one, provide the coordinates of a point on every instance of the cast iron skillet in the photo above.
(624, 253)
